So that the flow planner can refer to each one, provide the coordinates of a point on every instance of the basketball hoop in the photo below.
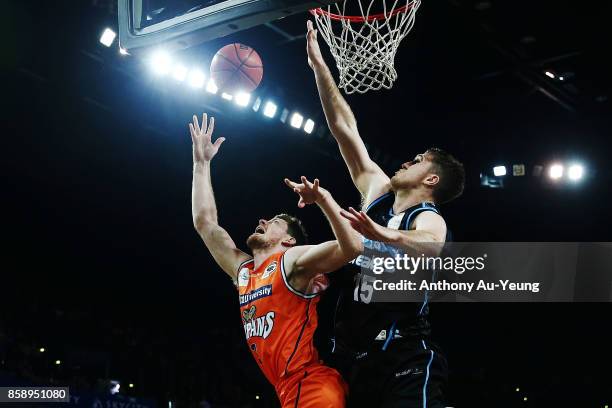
(365, 47)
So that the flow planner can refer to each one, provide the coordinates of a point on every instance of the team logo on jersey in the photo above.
(269, 270)
(255, 294)
(255, 326)
(243, 277)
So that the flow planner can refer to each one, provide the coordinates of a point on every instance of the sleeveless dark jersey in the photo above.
(357, 321)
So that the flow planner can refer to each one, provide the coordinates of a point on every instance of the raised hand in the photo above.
(309, 192)
(367, 227)
(315, 58)
(203, 147)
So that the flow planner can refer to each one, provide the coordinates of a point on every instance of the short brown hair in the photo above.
(451, 173)
(295, 228)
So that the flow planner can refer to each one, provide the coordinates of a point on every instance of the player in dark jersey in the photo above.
(279, 284)
(388, 358)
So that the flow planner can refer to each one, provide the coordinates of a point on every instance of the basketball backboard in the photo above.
(179, 24)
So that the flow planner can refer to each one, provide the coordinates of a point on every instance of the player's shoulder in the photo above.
(375, 195)
(292, 254)
(429, 216)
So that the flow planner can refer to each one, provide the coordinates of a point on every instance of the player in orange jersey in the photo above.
(279, 284)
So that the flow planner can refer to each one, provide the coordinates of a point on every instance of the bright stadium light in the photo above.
(575, 172)
(242, 98)
(555, 172)
(196, 78)
(131, 385)
(108, 37)
(42, 349)
(257, 104)
(499, 171)
(211, 87)
(309, 126)
(549, 74)
(179, 73)
(227, 96)
(270, 109)
(58, 362)
(284, 115)
(160, 62)
(296, 120)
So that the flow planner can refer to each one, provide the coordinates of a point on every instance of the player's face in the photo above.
(412, 173)
(268, 233)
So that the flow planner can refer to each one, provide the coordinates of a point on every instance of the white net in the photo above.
(364, 46)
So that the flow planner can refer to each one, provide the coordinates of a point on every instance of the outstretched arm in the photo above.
(427, 236)
(368, 177)
(203, 207)
(310, 260)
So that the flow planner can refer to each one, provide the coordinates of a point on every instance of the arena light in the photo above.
(270, 109)
(242, 98)
(499, 171)
(108, 37)
(296, 120)
(227, 96)
(196, 78)
(517, 389)
(257, 104)
(575, 172)
(284, 115)
(42, 349)
(549, 74)
(309, 126)
(160, 63)
(179, 73)
(131, 385)
(58, 362)
(211, 87)
(556, 171)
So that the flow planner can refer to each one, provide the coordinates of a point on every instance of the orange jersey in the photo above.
(279, 321)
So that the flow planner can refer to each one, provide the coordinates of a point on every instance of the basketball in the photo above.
(236, 67)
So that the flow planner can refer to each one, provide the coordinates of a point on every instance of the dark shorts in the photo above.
(408, 374)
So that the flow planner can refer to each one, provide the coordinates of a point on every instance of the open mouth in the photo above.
(260, 230)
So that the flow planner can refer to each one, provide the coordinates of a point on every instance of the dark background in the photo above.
(103, 268)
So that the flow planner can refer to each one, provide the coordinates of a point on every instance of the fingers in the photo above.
(207, 126)
(191, 131)
(316, 184)
(204, 122)
(355, 213)
(211, 125)
(290, 184)
(349, 216)
(218, 142)
(301, 203)
(311, 33)
(306, 182)
(196, 124)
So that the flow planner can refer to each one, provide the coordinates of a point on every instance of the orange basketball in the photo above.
(236, 67)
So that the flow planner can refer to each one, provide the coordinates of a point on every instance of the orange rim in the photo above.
(361, 19)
